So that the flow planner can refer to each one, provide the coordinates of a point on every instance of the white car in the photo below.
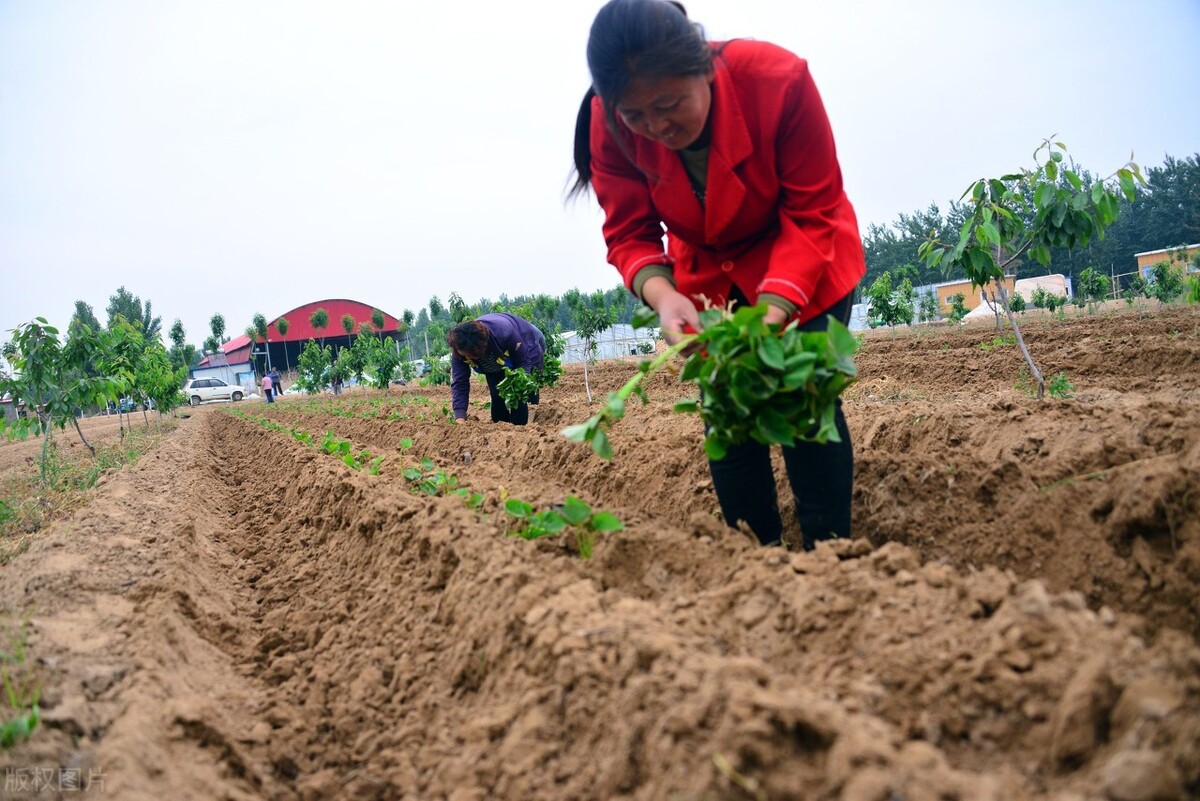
(199, 390)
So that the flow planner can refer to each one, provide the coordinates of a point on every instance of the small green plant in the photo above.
(1060, 386)
(573, 513)
(998, 342)
(1192, 290)
(22, 691)
(958, 308)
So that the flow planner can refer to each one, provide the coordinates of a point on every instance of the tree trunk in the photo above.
(586, 385)
(1002, 296)
(75, 420)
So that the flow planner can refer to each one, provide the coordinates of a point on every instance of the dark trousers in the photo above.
(500, 412)
(821, 476)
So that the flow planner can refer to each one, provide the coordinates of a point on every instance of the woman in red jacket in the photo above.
(726, 146)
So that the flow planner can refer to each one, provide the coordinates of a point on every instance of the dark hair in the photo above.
(469, 338)
(633, 39)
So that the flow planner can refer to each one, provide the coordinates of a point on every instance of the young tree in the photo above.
(49, 379)
(1166, 282)
(1030, 211)
(348, 324)
(319, 320)
(958, 306)
(1017, 302)
(314, 367)
(217, 326)
(262, 332)
(126, 304)
(927, 308)
(1093, 286)
(458, 309)
(282, 325)
(435, 308)
(890, 306)
(378, 321)
(178, 336)
(589, 322)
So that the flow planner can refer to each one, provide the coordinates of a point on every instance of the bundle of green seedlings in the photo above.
(518, 386)
(769, 383)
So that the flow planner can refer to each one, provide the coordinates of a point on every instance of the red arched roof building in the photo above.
(300, 330)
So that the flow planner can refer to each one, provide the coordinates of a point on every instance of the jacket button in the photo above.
(727, 266)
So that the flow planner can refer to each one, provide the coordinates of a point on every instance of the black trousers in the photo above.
(821, 476)
(500, 412)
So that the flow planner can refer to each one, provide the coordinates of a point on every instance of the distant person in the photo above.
(487, 345)
(276, 381)
(727, 147)
(336, 383)
(268, 385)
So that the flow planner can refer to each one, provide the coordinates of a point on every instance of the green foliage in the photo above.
(998, 342)
(1192, 290)
(50, 377)
(126, 304)
(891, 306)
(22, 690)
(1166, 282)
(319, 320)
(377, 319)
(927, 307)
(1017, 302)
(574, 514)
(757, 382)
(516, 387)
(1093, 285)
(439, 373)
(348, 324)
(217, 325)
(958, 307)
(1059, 386)
(1033, 211)
(314, 368)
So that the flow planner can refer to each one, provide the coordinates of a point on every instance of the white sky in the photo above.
(242, 157)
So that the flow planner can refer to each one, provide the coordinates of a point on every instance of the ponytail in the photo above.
(583, 146)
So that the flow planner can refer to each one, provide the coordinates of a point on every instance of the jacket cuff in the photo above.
(781, 302)
(646, 273)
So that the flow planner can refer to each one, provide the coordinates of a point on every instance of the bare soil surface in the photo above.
(243, 616)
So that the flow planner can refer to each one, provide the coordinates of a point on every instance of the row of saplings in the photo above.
(54, 380)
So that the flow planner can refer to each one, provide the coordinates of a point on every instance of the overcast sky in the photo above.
(242, 157)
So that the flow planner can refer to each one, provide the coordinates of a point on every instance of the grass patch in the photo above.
(26, 506)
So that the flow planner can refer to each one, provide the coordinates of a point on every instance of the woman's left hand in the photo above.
(775, 315)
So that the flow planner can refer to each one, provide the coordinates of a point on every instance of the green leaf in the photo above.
(580, 432)
(606, 522)
(687, 406)
(1125, 177)
(1074, 180)
(518, 508)
(771, 353)
(773, 427)
(1052, 168)
(575, 511)
(601, 445)
(714, 448)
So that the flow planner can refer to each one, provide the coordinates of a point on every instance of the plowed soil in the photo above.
(243, 616)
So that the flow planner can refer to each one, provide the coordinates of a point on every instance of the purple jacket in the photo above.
(513, 343)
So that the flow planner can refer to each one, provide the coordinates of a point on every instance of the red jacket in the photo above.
(776, 218)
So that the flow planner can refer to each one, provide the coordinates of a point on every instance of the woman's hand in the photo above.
(775, 315)
(676, 312)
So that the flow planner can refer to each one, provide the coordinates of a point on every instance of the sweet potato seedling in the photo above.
(772, 384)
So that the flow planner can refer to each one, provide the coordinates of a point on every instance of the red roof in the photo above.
(301, 330)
